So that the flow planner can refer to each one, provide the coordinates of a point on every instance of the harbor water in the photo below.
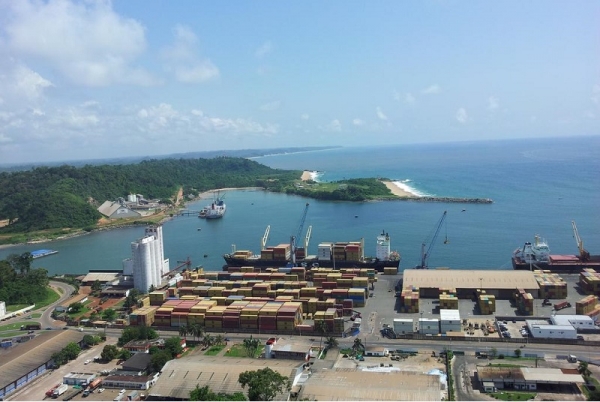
(538, 187)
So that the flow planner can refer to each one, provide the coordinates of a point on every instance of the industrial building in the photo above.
(526, 378)
(287, 349)
(544, 329)
(129, 381)
(450, 321)
(362, 385)
(81, 379)
(147, 262)
(180, 376)
(577, 321)
(27, 361)
(117, 210)
(500, 284)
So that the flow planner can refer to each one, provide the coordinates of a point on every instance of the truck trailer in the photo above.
(62, 388)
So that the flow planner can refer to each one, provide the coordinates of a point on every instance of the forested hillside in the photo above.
(66, 196)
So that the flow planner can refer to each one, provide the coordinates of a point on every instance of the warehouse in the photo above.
(544, 329)
(179, 377)
(450, 321)
(25, 362)
(526, 378)
(498, 283)
(577, 321)
(286, 349)
(356, 385)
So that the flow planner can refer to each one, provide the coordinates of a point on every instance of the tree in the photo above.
(196, 331)
(151, 289)
(205, 394)
(72, 350)
(264, 384)
(208, 340)
(109, 314)
(321, 328)
(251, 346)
(493, 353)
(517, 353)
(173, 346)
(331, 343)
(183, 331)
(75, 307)
(160, 359)
(109, 353)
(219, 340)
(358, 346)
(89, 340)
(124, 354)
(96, 286)
(59, 358)
(584, 370)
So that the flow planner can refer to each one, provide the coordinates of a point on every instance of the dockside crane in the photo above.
(425, 254)
(263, 242)
(584, 255)
(182, 264)
(294, 238)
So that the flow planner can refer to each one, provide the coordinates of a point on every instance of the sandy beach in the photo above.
(306, 175)
(398, 191)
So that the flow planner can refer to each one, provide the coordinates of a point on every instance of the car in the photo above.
(580, 337)
(30, 332)
(88, 361)
(100, 390)
(65, 327)
(122, 391)
(226, 339)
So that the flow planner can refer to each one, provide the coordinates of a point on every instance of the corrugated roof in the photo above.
(28, 356)
(470, 279)
(354, 385)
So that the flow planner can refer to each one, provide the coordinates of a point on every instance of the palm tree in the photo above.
(331, 342)
(358, 346)
(584, 370)
(183, 331)
(321, 328)
(207, 340)
(219, 340)
(251, 346)
(197, 331)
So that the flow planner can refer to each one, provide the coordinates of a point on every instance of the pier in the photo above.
(458, 200)
(187, 212)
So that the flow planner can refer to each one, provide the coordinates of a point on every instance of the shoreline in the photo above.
(309, 175)
(397, 190)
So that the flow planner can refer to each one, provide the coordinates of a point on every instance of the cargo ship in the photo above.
(537, 255)
(330, 255)
(215, 210)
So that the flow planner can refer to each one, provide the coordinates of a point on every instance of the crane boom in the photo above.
(583, 253)
(294, 238)
(263, 242)
(425, 254)
(307, 239)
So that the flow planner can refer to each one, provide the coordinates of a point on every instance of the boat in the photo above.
(330, 255)
(215, 210)
(42, 253)
(536, 256)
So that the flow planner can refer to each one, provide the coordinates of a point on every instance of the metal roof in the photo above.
(470, 279)
(28, 356)
(356, 385)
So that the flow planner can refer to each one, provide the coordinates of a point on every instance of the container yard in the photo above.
(245, 299)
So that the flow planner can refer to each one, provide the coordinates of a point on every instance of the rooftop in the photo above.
(341, 385)
(100, 276)
(470, 279)
(530, 374)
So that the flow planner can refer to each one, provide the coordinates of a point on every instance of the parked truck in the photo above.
(562, 305)
(62, 388)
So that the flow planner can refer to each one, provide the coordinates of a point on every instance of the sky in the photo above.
(98, 79)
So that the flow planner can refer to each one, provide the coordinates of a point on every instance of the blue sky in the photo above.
(83, 80)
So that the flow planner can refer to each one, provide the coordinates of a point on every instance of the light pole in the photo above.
(421, 324)
(480, 283)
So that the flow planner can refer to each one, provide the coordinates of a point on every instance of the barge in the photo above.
(42, 253)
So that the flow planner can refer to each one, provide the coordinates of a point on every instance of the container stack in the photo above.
(586, 305)
(552, 286)
(390, 270)
(589, 281)
(347, 307)
(524, 302)
(358, 296)
(486, 303)
(267, 254)
(409, 299)
(339, 252)
(353, 252)
(448, 301)
(143, 316)
(282, 252)
(158, 297)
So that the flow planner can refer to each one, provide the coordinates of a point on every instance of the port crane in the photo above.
(182, 264)
(294, 238)
(425, 254)
(584, 255)
(263, 242)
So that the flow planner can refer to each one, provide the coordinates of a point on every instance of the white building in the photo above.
(404, 326)
(450, 321)
(543, 329)
(148, 262)
(577, 321)
(383, 247)
(429, 326)
(2, 309)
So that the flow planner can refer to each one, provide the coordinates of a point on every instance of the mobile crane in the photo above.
(425, 254)
(293, 239)
(584, 255)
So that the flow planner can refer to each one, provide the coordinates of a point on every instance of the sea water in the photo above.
(539, 186)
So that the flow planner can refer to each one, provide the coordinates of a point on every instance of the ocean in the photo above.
(539, 186)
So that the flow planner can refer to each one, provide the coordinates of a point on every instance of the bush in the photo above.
(501, 356)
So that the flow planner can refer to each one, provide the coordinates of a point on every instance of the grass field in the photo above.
(513, 395)
(51, 297)
(214, 350)
(238, 350)
(15, 307)
(16, 325)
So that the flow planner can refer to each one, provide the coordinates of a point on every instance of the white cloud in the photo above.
(270, 106)
(87, 42)
(334, 126)
(596, 94)
(461, 115)
(304, 116)
(380, 114)
(29, 83)
(493, 103)
(409, 98)
(263, 50)
(358, 122)
(432, 89)
(181, 59)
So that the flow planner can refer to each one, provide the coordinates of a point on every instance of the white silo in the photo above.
(383, 247)
(132, 198)
(143, 275)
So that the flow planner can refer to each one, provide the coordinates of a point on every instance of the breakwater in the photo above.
(456, 200)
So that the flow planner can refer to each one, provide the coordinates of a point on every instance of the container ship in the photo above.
(330, 255)
(537, 255)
